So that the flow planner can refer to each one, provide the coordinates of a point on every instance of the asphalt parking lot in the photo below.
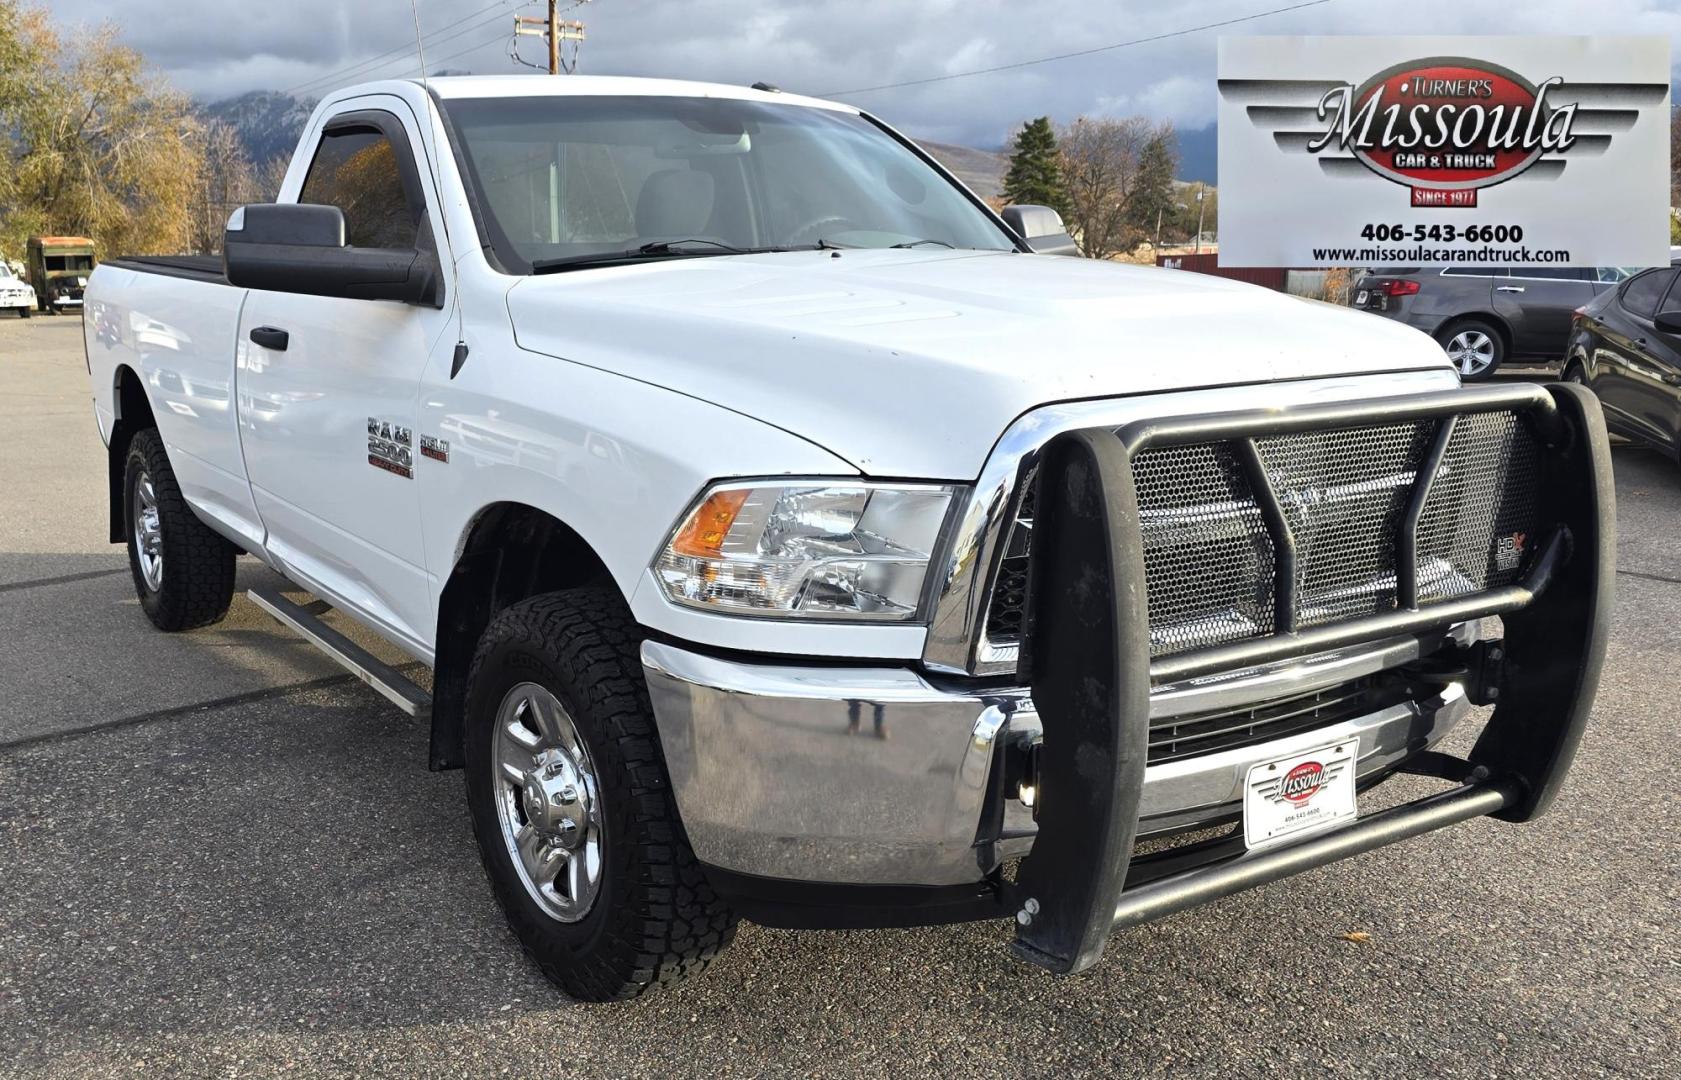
(222, 856)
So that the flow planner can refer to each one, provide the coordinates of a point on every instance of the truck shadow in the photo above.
(239, 874)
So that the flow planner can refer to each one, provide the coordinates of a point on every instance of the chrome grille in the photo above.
(1209, 560)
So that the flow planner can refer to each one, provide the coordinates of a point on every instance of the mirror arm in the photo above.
(428, 278)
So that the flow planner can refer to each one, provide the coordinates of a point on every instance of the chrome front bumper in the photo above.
(878, 776)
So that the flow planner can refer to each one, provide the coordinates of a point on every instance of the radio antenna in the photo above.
(419, 47)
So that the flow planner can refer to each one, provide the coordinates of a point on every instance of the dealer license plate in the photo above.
(1299, 794)
(1360, 298)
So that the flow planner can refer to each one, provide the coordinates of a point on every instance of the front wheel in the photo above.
(571, 805)
(183, 570)
(1475, 348)
(24, 313)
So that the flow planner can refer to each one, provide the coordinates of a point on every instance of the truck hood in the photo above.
(911, 363)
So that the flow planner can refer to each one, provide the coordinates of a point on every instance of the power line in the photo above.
(556, 33)
(1080, 52)
(392, 55)
(473, 48)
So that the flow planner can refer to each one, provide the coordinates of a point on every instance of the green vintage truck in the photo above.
(58, 268)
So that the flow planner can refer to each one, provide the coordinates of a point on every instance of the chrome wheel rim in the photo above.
(547, 802)
(148, 531)
(1471, 351)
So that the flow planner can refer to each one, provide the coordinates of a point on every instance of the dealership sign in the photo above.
(1444, 151)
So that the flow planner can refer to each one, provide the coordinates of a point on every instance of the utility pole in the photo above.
(555, 30)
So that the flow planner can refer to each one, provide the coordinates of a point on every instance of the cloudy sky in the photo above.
(218, 48)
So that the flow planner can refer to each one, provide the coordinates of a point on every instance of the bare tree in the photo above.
(1675, 158)
(226, 180)
(270, 175)
(1101, 160)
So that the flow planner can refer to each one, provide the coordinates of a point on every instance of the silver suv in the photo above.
(1484, 316)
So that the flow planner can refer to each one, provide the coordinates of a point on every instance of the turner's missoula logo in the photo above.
(1446, 126)
(1373, 151)
(1301, 783)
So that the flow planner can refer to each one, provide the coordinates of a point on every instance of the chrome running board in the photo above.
(392, 684)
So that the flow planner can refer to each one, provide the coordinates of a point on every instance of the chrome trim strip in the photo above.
(1233, 690)
(956, 640)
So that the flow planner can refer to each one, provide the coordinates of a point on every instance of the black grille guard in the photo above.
(1086, 654)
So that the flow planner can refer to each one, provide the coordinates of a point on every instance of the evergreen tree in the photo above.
(1152, 192)
(1035, 174)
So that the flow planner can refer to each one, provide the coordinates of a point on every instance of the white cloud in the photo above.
(213, 48)
(1187, 101)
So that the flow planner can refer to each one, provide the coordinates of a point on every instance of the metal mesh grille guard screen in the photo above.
(1209, 560)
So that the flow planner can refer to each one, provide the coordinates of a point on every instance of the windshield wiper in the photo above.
(918, 243)
(653, 250)
(664, 247)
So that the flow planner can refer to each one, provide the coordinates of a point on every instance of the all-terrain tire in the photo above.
(198, 563)
(655, 918)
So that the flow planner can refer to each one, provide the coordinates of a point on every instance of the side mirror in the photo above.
(1042, 228)
(1668, 322)
(299, 248)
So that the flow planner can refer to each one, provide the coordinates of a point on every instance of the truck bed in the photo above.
(197, 267)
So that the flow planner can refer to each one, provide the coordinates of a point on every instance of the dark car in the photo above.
(1626, 346)
(1486, 316)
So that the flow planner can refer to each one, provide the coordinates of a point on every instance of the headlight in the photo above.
(806, 550)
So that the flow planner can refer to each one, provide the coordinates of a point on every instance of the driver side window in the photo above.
(356, 170)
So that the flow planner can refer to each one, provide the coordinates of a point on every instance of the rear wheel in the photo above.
(183, 570)
(1475, 347)
(571, 804)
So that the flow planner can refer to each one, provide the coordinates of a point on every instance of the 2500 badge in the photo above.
(390, 447)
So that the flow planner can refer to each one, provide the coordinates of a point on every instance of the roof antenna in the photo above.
(418, 47)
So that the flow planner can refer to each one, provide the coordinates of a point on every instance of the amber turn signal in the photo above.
(703, 534)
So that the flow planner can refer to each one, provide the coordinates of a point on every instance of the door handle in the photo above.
(271, 337)
(1508, 288)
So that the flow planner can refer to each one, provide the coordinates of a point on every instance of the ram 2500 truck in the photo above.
(788, 540)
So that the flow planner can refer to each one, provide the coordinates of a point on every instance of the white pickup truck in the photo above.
(789, 540)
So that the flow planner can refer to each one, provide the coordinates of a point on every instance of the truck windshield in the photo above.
(561, 179)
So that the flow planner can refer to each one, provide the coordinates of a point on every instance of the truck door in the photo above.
(328, 386)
